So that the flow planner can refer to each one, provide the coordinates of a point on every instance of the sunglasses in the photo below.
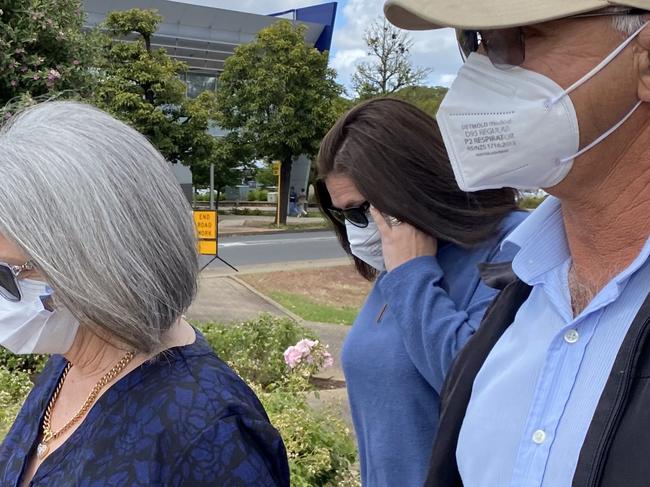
(506, 48)
(357, 216)
(9, 288)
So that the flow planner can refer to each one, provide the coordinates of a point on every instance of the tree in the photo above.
(265, 176)
(43, 52)
(390, 68)
(142, 87)
(426, 98)
(279, 95)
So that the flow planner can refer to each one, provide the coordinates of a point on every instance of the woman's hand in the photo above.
(402, 243)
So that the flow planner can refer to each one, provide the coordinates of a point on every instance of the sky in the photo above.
(436, 50)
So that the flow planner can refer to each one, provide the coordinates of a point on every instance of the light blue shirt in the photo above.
(533, 400)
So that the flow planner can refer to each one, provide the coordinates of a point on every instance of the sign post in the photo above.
(207, 230)
(277, 171)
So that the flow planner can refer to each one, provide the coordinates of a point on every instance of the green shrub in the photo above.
(257, 195)
(29, 364)
(255, 348)
(14, 387)
(531, 202)
(320, 446)
(250, 212)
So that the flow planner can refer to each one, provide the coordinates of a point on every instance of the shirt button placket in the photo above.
(571, 336)
(539, 437)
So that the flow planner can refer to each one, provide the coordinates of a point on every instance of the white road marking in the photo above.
(256, 243)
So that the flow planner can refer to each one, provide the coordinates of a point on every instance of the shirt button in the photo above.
(539, 437)
(571, 336)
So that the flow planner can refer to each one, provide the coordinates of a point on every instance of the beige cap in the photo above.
(490, 14)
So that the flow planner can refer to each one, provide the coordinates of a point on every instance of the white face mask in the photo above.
(365, 244)
(27, 327)
(513, 128)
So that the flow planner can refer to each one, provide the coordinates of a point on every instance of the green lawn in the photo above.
(311, 311)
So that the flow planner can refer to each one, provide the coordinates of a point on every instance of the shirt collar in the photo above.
(541, 242)
(542, 245)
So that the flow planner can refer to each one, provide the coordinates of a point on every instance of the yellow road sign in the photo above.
(208, 247)
(277, 166)
(207, 224)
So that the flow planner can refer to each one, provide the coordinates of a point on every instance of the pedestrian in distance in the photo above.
(386, 185)
(98, 262)
(293, 202)
(552, 390)
(302, 203)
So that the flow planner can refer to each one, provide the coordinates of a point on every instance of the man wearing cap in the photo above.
(554, 388)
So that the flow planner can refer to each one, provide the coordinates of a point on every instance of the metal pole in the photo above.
(277, 222)
(212, 186)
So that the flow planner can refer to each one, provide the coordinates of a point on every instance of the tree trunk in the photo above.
(285, 183)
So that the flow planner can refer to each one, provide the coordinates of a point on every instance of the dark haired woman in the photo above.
(387, 185)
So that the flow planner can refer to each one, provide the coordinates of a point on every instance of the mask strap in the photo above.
(602, 137)
(598, 68)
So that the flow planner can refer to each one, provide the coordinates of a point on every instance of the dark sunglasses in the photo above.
(357, 215)
(9, 288)
(506, 48)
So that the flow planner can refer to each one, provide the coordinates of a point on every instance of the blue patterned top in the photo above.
(185, 419)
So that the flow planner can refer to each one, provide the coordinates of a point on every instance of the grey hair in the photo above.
(627, 24)
(98, 210)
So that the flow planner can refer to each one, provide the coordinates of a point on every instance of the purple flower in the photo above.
(14, 82)
(76, 62)
(37, 77)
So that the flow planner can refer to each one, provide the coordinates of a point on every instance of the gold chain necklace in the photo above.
(48, 434)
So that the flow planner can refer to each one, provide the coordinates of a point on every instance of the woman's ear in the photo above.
(643, 63)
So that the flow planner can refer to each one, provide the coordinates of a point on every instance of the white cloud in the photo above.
(447, 79)
(347, 58)
(436, 49)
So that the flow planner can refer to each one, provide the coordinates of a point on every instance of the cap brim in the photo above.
(485, 14)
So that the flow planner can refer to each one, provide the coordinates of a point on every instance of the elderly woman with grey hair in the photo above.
(98, 262)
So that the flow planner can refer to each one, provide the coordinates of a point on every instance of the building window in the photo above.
(197, 83)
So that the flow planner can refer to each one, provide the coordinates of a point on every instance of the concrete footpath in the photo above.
(259, 225)
(226, 299)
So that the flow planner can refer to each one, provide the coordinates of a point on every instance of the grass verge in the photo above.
(311, 311)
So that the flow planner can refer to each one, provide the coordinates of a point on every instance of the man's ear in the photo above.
(643, 62)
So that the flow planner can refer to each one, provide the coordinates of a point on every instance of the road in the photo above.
(273, 249)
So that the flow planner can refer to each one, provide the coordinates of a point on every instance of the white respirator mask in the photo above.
(513, 128)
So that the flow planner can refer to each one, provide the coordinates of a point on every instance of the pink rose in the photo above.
(305, 345)
(292, 357)
(329, 360)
